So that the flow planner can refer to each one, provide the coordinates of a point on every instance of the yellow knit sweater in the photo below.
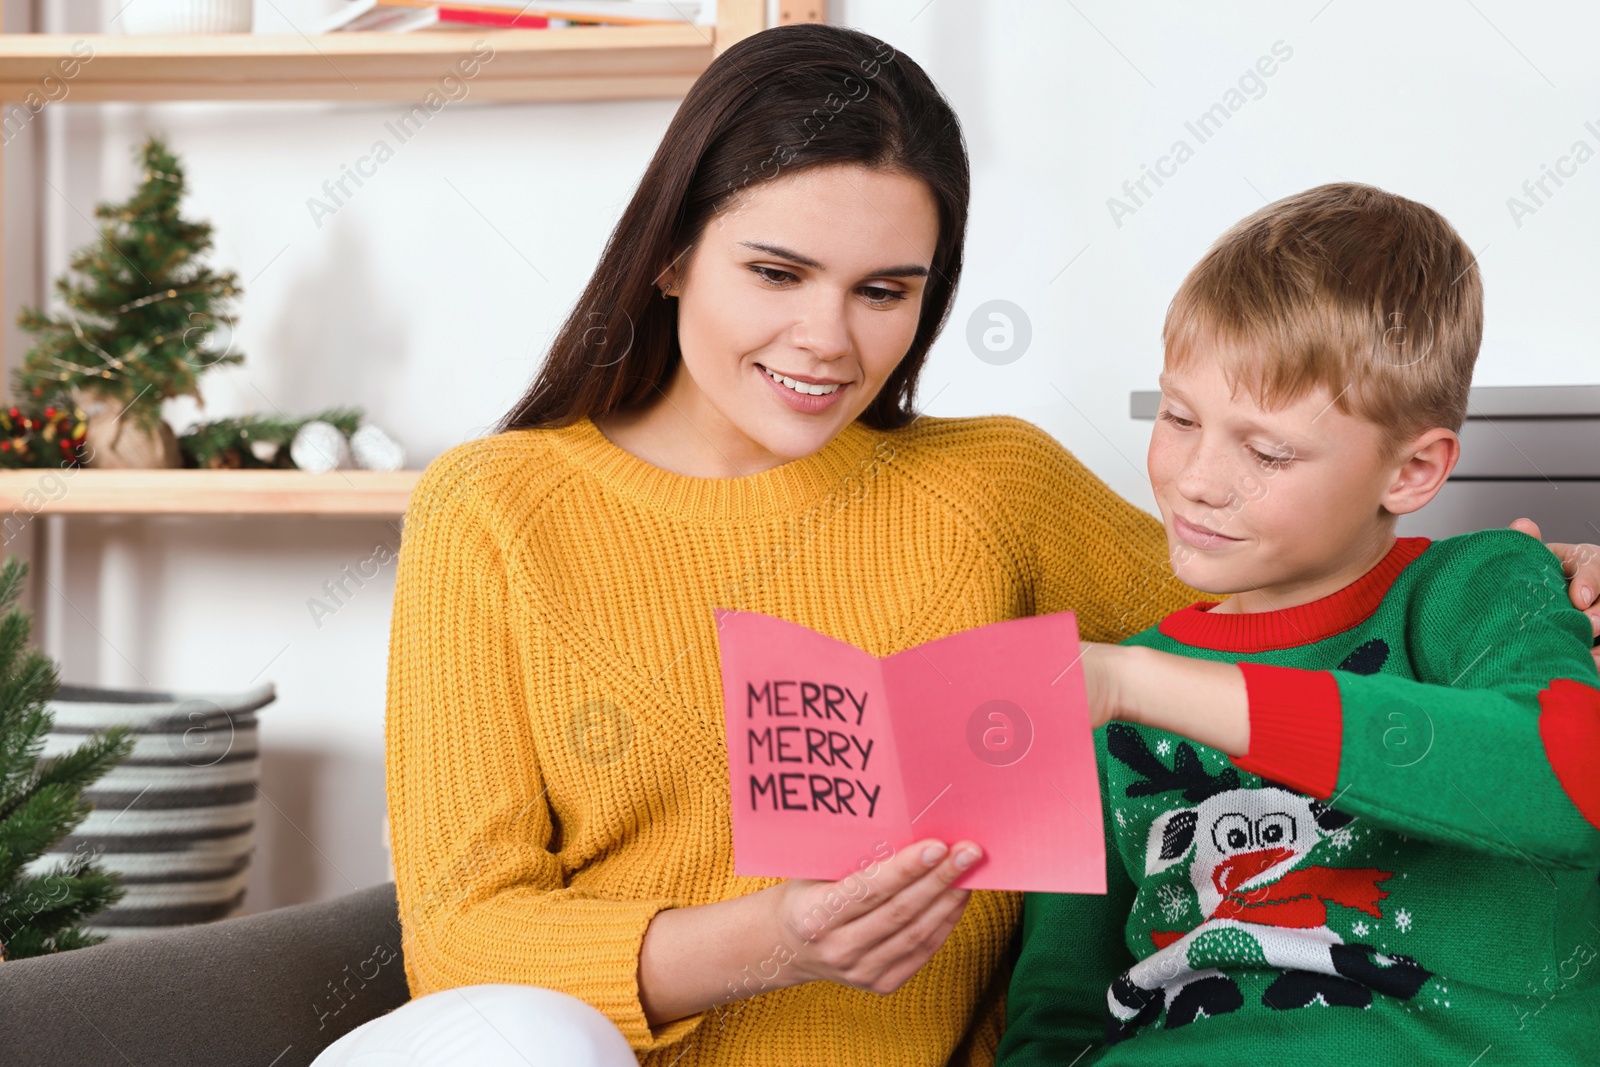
(555, 760)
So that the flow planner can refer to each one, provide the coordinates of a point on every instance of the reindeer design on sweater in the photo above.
(1261, 903)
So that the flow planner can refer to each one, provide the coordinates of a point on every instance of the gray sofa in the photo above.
(266, 990)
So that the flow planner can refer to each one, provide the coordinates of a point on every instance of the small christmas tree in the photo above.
(141, 310)
(41, 800)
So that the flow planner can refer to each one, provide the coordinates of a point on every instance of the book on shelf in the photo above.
(618, 12)
(405, 16)
(388, 16)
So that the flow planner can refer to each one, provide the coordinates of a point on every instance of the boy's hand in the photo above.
(1198, 699)
(1101, 675)
(1581, 565)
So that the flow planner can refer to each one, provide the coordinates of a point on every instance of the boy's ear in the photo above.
(1421, 467)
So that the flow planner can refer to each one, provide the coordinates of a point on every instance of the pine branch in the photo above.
(76, 937)
(52, 804)
(27, 681)
(43, 892)
(45, 917)
(22, 733)
(226, 442)
(14, 632)
(35, 823)
(77, 770)
(42, 800)
(13, 579)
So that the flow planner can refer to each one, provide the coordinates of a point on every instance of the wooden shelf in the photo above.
(581, 63)
(341, 494)
(584, 63)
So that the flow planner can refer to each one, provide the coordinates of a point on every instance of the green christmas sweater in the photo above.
(1402, 869)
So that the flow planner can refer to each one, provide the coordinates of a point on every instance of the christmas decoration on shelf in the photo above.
(41, 799)
(142, 317)
(142, 321)
(320, 447)
(254, 441)
(331, 440)
(53, 437)
(323, 446)
(374, 450)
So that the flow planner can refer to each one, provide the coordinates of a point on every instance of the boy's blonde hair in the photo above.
(1346, 286)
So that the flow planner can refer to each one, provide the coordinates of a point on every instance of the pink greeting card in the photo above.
(836, 756)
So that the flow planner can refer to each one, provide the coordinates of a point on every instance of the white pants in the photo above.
(485, 1026)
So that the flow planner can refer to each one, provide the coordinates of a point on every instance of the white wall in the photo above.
(428, 298)
(1063, 103)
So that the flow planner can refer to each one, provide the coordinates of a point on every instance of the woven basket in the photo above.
(177, 818)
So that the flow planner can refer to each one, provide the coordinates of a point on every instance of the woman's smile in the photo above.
(808, 395)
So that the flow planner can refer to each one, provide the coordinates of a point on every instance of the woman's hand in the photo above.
(875, 929)
(1581, 565)
(872, 930)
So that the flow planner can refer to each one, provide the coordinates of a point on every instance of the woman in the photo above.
(724, 421)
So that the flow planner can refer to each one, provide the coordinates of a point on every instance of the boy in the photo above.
(1351, 811)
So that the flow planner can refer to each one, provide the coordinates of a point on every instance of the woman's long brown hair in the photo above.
(778, 102)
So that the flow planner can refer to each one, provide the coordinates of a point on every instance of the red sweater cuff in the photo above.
(1296, 728)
